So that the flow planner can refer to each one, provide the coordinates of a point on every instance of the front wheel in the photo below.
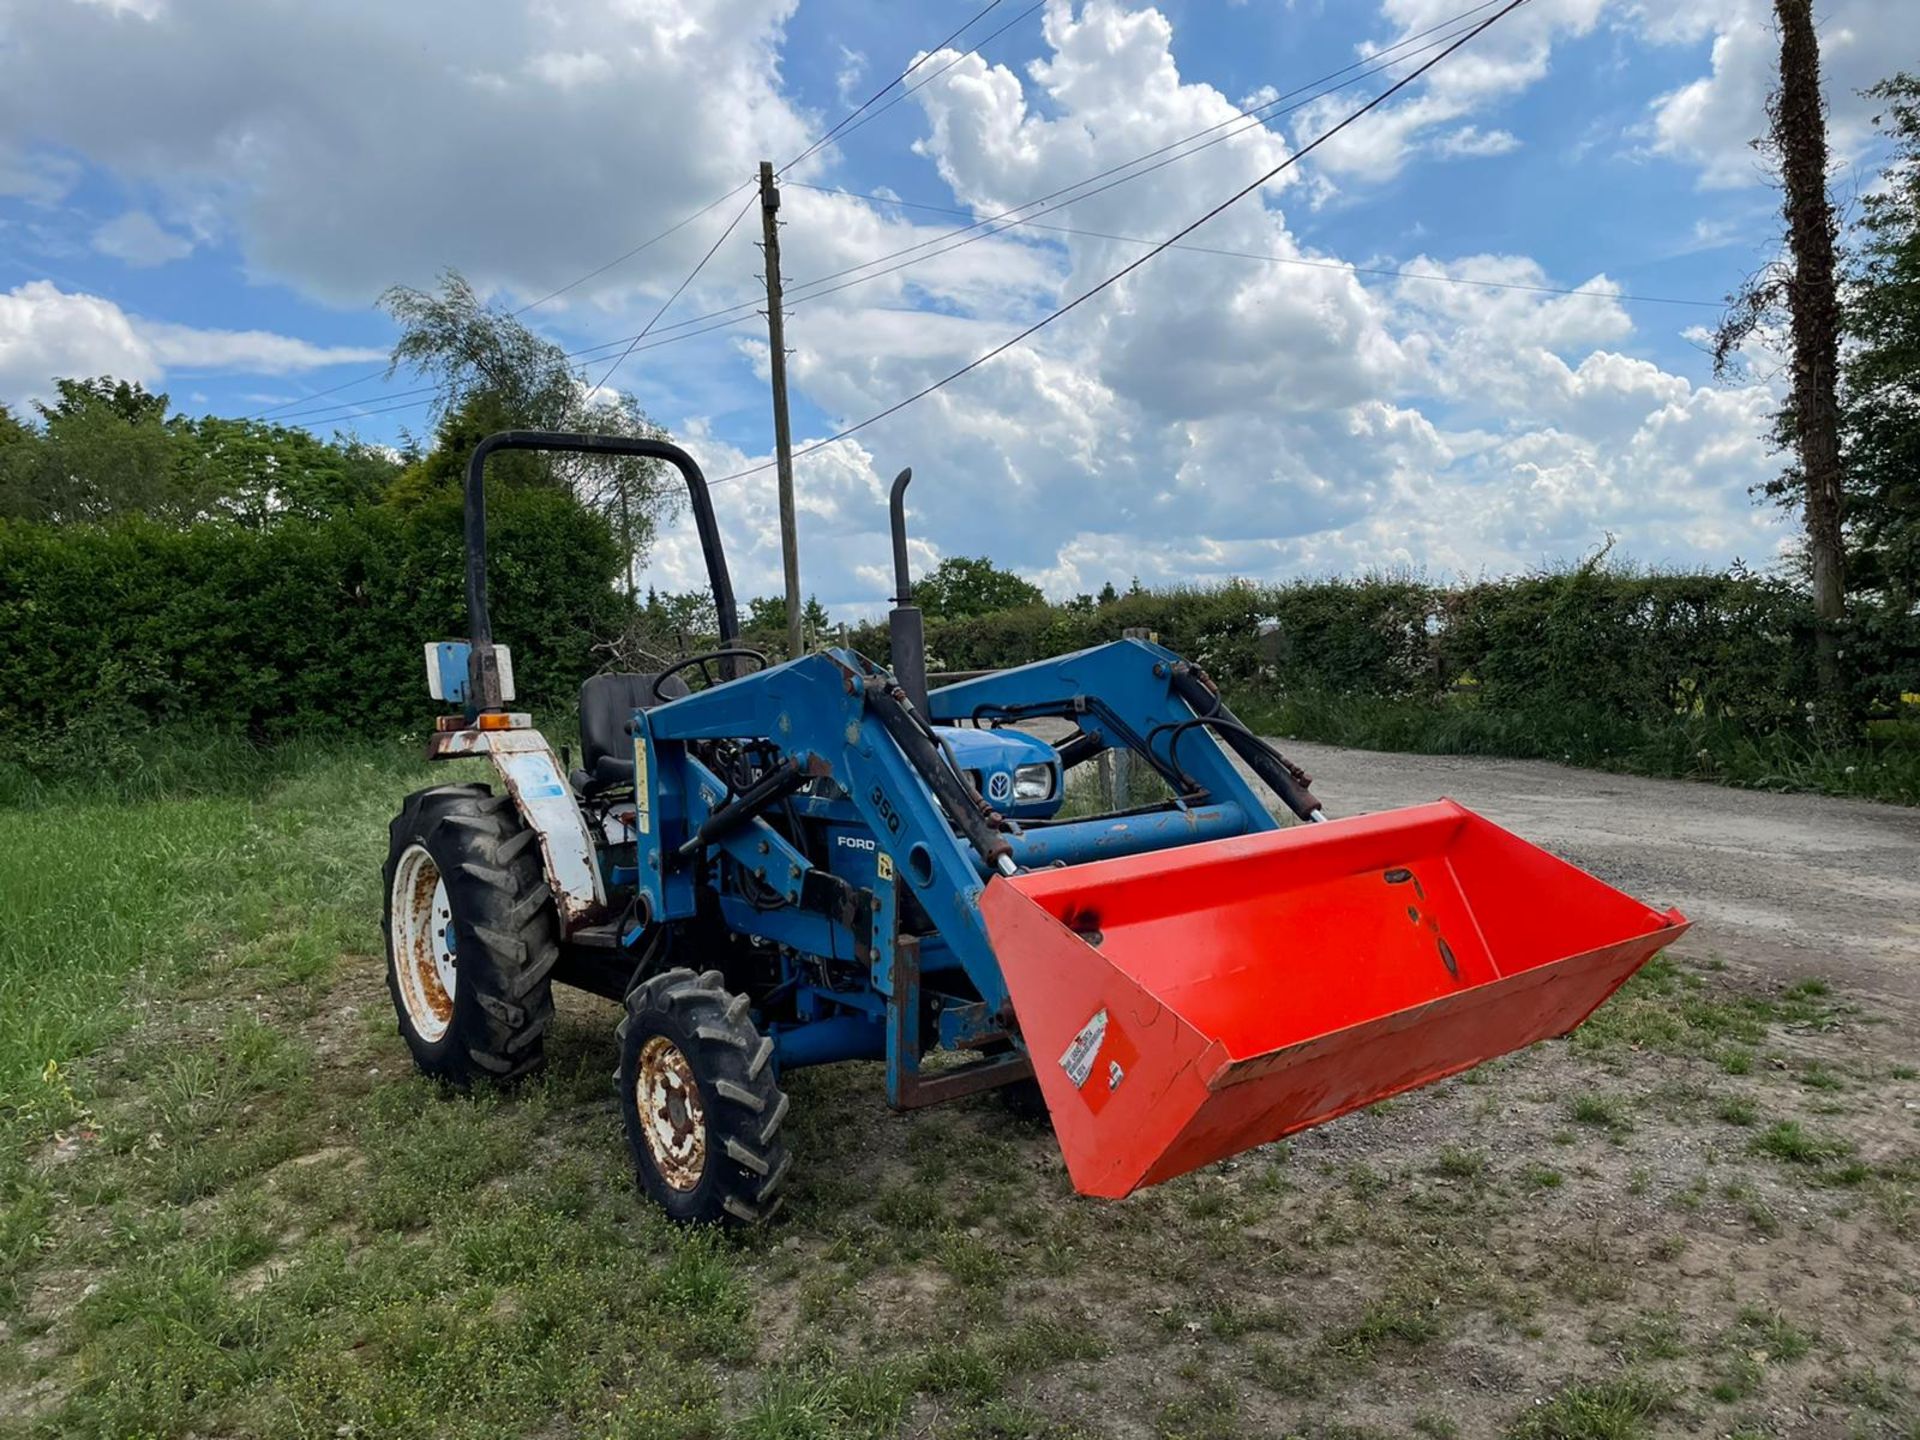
(699, 1102)
(472, 935)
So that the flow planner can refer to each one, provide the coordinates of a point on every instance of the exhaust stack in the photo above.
(905, 632)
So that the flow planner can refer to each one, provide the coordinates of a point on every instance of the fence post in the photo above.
(1118, 779)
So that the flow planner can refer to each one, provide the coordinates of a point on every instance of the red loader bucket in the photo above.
(1185, 1005)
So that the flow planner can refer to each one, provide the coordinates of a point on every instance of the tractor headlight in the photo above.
(1033, 782)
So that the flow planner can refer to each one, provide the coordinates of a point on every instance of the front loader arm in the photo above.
(823, 713)
(1138, 696)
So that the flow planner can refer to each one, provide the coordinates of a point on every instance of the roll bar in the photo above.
(484, 675)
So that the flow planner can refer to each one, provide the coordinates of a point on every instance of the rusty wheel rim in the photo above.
(673, 1122)
(424, 945)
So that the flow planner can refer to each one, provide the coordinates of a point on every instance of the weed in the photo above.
(1739, 1377)
(1209, 1410)
(1789, 1142)
(1286, 1372)
(1738, 1110)
(1651, 1335)
(1668, 1248)
(1816, 1076)
(1458, 1163)
(1393, 1320)
(1618, 1409)
(1774, 1333)
(1542, 1177)
(821, 1404)
(1605, 1112)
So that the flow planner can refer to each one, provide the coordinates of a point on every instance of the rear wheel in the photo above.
(472, 935)
(699, 1102)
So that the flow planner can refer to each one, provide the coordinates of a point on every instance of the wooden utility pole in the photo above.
(1800, 133)
(782, 432)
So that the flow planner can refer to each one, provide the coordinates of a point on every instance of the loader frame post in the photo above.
(484, 690)
(907, 1088)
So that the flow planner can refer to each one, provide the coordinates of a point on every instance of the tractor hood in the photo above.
(1018, 773)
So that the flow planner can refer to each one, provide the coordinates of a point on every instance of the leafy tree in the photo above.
(636, 495)
(684, 622)
(103, 449)
(960, 587)
(467, 347)
(107, 449)
(1881, 372)
(491, 372)
(1108, 595)
(256, 474)
(767, 614)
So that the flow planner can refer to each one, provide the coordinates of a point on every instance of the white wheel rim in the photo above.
(672, 1119)
(423, 943)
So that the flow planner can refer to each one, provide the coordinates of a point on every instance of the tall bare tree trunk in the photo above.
(626, 529)
(1800, 132)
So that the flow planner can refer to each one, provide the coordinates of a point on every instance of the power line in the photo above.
(1159, 248)
(925, 56)
(989, 226)
(687, 220)
(355, 410)
(1258, 115)
(347, 410)
(1375, 64)
(622, 259)
(976, 48)
(1255, 116)
(1278, 259)
(698, 267)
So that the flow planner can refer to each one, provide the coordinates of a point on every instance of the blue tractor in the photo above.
(778, 865)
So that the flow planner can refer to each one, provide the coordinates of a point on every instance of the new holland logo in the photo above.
(1000, 786)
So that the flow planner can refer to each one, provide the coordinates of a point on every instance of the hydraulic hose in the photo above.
(1285, 779)
(923, 752)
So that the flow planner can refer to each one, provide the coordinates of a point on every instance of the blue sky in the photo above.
(207, 195)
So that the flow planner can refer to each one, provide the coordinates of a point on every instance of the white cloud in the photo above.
(1711, 122)
(1471, 142)
(137, 238)
(1203, 418)
(1210, 417)
(47, 332)
(1507, 59)
(361, 143)
(139, 9)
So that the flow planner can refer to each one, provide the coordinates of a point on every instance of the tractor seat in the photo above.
(607, 703)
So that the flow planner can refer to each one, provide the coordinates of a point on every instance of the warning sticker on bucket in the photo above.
(1078, 1061)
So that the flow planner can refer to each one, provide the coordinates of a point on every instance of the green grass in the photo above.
(228, 1206)
(1619, 1409)
(1738, 1110)
(1788, 1140)
(1670, 1008)
(1603, 1112)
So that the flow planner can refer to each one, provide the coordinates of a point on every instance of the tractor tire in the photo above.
(472, 935)
(699, 1102)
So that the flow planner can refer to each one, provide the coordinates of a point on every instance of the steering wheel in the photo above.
(703, 661)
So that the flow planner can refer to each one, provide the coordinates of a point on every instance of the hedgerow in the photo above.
(305, 626)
